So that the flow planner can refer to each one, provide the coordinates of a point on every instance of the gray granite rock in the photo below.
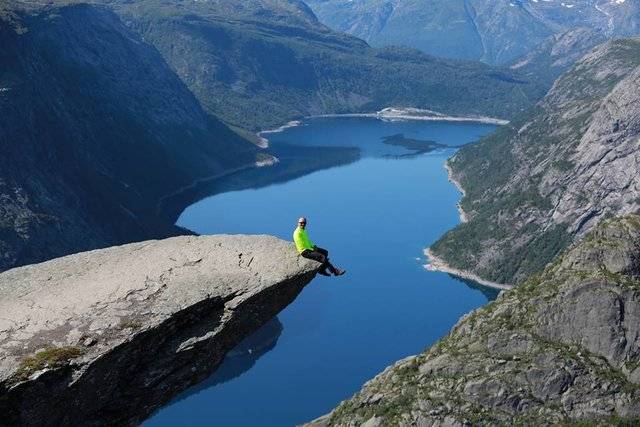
(561, 348)
(105, 337)
(553, 174)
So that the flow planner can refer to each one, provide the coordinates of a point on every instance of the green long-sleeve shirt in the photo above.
(302, 240)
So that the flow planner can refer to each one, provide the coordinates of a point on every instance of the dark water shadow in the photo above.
(490, 293)
(294, 162)
(412, 144)
(241, 359)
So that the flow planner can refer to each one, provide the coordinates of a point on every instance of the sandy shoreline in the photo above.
(264, 142)
(437, 264)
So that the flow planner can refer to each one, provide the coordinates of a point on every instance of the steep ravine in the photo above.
(560, 348)
(105, 337)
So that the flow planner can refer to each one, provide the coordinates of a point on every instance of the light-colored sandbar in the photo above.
(389, 113)
(437, 264)
(394, 113)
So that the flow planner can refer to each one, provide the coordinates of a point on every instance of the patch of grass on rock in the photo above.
(50, 357)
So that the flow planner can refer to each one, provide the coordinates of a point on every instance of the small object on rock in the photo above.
(90, 341)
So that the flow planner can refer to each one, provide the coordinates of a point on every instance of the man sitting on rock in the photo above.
(308, 250)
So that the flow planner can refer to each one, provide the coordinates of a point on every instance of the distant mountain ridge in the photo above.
(556, 54)
(261, 63)
(494, 31)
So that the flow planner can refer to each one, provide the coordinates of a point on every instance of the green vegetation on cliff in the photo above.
(552, 174)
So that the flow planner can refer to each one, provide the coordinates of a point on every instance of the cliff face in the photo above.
(563, 346)
(94, 128)
(105, 337)
(536, 186)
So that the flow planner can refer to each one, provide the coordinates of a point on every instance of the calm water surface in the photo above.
(375, 215)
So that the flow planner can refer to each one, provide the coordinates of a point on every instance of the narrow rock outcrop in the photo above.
(561, 348)
(105, 337)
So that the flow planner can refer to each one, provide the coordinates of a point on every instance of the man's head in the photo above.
(302, 222)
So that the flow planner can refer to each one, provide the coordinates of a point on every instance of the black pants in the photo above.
(320, 255)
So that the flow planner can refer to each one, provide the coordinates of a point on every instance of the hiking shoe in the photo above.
(339, 272)
(323, 273)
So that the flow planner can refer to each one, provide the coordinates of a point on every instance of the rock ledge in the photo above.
(105, 337)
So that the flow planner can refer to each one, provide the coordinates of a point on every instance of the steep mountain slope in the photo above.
(557, 54)
(258, 64)
(494, 31)
(560, 349)
(535, 186)
(94, 128)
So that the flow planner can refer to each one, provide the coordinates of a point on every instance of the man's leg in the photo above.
(320, 257)
(326, 263)
(322, 251)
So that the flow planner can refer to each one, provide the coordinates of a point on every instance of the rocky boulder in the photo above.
(105, 337)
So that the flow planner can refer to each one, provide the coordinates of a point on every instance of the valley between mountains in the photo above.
(115, 115)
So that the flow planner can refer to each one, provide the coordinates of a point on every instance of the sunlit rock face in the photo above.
(105, 337)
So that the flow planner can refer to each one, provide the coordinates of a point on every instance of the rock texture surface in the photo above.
(561, 348)
(105, 337)
(536, 186)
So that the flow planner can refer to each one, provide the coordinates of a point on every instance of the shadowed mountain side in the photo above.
(94, 129)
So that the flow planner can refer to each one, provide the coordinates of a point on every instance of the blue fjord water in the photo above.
(375, 215)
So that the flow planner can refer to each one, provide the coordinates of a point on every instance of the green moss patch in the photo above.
(50, 357)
